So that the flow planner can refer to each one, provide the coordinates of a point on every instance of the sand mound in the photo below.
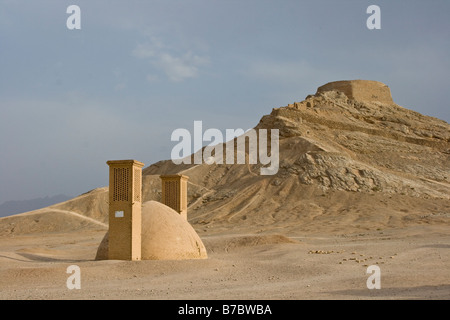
(250, 241)
(47, 220)
(239, 243)
(165, 236)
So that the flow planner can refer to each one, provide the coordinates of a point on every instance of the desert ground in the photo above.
(414, 264)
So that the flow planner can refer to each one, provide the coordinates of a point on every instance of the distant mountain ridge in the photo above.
(9, 208)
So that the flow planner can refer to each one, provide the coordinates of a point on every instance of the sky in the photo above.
(71, 99)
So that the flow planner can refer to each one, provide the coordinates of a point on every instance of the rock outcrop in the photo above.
(358, 143)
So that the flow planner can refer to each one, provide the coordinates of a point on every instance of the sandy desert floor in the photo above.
(414, 264)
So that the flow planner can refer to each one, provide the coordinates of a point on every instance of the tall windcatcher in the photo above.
(174, 193)
(125, 202)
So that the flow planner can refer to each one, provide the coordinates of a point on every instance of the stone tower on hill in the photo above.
(360, 90)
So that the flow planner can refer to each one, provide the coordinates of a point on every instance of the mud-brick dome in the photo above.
(165, 236)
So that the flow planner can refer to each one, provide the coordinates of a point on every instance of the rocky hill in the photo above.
(350, 160)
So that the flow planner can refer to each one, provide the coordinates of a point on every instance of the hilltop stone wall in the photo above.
(360, 90)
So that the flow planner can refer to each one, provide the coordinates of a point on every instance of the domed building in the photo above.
(165, 235)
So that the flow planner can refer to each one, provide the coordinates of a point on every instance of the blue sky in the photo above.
(137, 70)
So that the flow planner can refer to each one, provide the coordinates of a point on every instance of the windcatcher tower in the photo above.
(174, 193)
(125, 202)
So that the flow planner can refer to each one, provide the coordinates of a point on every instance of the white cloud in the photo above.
(148, 50)
(152, 78)
(120, 86)
(177, 67)
(120, 79)
(180, 68)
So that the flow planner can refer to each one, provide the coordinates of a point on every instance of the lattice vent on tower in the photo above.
(171, 190)
(121, 176)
